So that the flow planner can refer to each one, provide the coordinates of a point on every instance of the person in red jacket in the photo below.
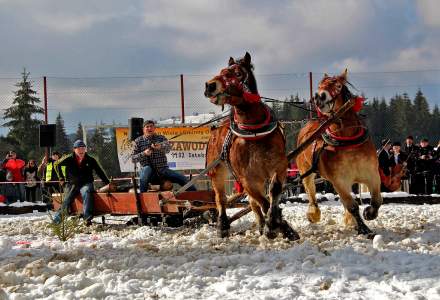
(14, 173)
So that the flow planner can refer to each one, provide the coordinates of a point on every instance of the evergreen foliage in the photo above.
(67, 228)
(102, 145)
(63, 144)
(79, 132)
(23, 122)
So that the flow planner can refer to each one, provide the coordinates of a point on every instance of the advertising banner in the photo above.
(188, 149)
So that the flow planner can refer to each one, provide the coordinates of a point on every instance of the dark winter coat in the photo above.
(79, 175)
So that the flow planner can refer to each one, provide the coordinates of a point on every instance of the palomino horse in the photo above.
(255, 153)
(344, 155)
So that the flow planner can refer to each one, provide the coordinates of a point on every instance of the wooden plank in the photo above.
(122, 203)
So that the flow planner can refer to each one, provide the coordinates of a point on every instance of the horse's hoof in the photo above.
(261, 229)
(288, 232)
(370, 213)
(270, 233)
(349, 220)
(371, 235)
(363, 229)
(314, 214)
(223, 233)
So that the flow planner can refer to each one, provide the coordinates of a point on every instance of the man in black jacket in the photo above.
(424, 167)
(76, 170)
(385, 163)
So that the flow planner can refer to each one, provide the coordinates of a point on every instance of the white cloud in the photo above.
(429, 10)
(425, 56)
(281, 34)
(352, 64)
(66, 16)
(69, 23)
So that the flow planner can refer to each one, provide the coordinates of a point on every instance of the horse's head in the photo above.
(332, 93)
(232, 81)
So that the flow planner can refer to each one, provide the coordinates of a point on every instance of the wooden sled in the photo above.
(154, 206)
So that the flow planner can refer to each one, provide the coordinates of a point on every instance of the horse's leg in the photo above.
(275, 222)
(259, 213)
(313, 212)
(218, 184)
(352, 207)
(257, 201)
(371, 211)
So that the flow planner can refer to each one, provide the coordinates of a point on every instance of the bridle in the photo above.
(234, 77)
(332, 95)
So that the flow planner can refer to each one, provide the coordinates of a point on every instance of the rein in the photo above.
(294, 104)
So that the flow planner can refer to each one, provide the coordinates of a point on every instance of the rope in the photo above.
(287, 102)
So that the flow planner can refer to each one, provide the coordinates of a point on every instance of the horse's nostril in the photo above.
(322, 96)
(211, 87)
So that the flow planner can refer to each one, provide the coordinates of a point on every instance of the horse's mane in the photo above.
(251, 81)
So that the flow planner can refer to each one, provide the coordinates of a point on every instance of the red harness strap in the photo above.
(345, 138)
(256, 126)
(251, 98)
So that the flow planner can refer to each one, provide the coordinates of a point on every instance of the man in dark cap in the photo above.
(150, 151)
(385, 163)
(76, 170)
(397, 156)
(424, 167)
(411, 151)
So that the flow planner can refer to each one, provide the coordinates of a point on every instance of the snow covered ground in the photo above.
(329, 262)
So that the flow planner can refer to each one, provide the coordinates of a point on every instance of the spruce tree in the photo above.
(383, 124)
(409, 112)
(23, 122)
(434, 131)
(63, 142)
(421, 115)
(79, 132)
(398, 121)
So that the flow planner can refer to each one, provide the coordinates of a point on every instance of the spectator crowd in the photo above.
(25, 181)
(417, 166)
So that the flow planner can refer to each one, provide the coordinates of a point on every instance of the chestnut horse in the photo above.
(344, 155)
(256, 152)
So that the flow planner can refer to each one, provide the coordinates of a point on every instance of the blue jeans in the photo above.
(70, 192)
(147, 175)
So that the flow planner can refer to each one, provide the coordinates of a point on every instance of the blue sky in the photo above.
(149, 43)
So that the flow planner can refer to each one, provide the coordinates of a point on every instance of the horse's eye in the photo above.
(338, 86)
(238, 74)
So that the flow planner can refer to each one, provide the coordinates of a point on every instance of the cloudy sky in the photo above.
(110, 60)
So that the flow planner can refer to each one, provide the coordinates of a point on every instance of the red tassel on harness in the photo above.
(251, 98)
(359, 102)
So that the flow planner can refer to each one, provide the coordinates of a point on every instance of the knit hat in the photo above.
(79, 143)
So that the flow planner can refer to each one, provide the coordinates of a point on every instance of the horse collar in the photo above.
(249, 131)
(345, 142)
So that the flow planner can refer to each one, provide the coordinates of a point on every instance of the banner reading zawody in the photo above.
(188, 150)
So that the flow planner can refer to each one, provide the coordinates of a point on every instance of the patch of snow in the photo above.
(330, 261)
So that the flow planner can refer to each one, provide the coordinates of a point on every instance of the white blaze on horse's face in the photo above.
(228, 83)
(214, 88)
(328, 91)
(324, 101)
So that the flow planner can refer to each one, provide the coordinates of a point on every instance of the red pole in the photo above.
(45, 99)
(311, 93)
(182, 98)
(45, 111)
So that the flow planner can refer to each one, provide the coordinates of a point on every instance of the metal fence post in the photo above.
(311, 94)
(182, 98)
